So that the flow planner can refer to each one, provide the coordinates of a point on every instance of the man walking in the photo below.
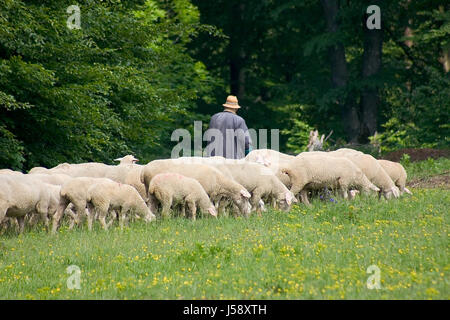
(228, 133)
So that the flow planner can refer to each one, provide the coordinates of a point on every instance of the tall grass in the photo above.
(426, 168)
(321, 252)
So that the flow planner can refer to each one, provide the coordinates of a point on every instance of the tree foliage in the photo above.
(286, 63)
(138, 69)
(117, 85)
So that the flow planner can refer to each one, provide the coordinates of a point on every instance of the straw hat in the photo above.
(232, 102)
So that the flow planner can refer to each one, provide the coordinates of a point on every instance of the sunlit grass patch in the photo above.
(321, 252)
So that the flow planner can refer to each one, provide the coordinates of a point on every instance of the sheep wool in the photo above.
(373, 171)
(172, 188)
(21, 195)
(397, 173)
(215, 184)
(319, 171)
(104, 196)
(274, 160)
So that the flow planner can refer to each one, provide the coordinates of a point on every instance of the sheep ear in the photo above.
(288, 198)
(245, 194)
(118, 159)
(212, 211)
(407, 191)
(396, 192)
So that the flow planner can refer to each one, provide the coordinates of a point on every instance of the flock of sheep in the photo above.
(96, 191)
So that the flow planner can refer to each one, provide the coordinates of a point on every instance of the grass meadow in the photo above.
(318, 252)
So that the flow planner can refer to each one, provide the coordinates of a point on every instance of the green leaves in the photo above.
(118, 85)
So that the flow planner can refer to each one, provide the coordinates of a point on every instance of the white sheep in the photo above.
(216, 184)
(54, 201)
(89, 169)
(373, 171)
(259, 180)
(105, 196)
(123, 173)
(8, 223)
(128, 174)
(75, 192)
(274, 160)
(54, 179)
(128, 159)
(319, 171)
(21, 195)
(38, 170)
(172, 188)
(10, 172)
(397, 173)
(348, 151)
(207, 161)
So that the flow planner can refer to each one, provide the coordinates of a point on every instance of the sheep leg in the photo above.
(304, 197)
(90, 215)
(102, 218)
(221, 206)
(273, 202)
(3, 209)
(217, 202)
(183, 210)
(3, 220)
(3, 226)
(58, 215)
(44, 218)
(166, 205)
(122, 216)
(343, 187)
(254, 200)
(152, 203)
(21, 221)
(74, 219)
(193, 208)
(115, 216)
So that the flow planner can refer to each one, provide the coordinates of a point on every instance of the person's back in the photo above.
(228, 133)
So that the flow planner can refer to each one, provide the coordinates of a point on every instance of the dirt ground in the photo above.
(417, 154)
(438, 181)
(441, 181)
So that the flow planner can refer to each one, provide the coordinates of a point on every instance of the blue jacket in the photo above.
(230, 139)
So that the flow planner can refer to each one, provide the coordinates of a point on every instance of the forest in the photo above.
(136, 70)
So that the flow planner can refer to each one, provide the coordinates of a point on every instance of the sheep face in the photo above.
(285, 200)
(352, 194)
(242, 202)
(393, 192)
(212, 211)
(149, 216)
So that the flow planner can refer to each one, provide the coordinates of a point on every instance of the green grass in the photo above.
(321, 252)
(426, 168)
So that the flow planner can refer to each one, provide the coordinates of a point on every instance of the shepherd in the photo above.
(229, 134)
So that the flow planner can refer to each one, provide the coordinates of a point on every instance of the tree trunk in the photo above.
(446, 59)
(339, 72)
(236, 52)
(370, 100)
